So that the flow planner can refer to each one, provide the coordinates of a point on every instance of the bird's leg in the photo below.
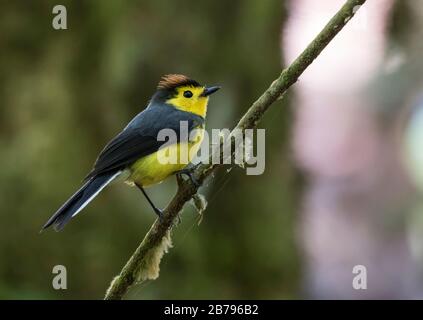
(190, 173)
(158, 211)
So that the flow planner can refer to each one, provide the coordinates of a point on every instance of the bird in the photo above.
(134, 153)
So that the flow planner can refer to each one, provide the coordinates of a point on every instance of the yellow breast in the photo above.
(151, 170)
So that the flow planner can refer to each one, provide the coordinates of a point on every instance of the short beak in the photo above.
(209, 90)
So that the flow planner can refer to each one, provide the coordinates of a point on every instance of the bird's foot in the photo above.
(189, 172)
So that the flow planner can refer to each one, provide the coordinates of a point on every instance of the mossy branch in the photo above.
(144, 263)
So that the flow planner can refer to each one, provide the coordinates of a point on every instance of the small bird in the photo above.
(134, 152)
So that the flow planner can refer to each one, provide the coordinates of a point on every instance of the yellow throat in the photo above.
(196, 104)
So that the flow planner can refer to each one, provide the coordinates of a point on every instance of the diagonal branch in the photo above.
(144, 263)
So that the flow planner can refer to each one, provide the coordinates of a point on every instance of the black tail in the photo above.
(79, 200)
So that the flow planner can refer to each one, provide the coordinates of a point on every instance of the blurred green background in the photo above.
(65, 93)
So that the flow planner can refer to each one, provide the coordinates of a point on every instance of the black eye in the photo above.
(187, 94)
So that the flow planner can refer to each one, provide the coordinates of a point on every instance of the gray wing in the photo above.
(139, 138)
